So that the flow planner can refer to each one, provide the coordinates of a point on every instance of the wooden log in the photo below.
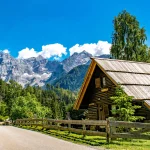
(140, 131)
(79, 131)
(129, 124)
(128, 135)
(108, 132)
(80, 122)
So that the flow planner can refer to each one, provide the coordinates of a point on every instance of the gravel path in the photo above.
(12, 138)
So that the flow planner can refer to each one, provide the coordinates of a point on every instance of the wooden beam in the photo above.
(129, 124)
(104, 90)
(99, 115)
(146, 104)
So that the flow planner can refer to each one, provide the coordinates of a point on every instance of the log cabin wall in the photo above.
(99, 103)
(143, 111)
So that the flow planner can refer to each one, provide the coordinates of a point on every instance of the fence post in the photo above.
(112, 129)
(84, 129)
(69, 126)
(42, 122)
(58, 124)
(108, 131)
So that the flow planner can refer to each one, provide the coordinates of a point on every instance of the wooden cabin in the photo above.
(101, 79)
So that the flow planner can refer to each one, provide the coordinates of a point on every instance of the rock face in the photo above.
(33, 71)
(39, 71)
(75, 60)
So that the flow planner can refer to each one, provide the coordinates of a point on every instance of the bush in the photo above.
(3, 118)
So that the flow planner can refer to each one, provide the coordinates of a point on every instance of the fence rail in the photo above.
(93, 127)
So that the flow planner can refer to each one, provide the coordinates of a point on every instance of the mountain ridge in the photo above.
(38, 71)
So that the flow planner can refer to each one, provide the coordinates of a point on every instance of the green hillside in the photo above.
(73, 79)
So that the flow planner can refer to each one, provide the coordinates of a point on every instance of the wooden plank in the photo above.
(79, 131)
(129, 124)
(80, 122)
(104, 90)
(99, 112)
(128, 135)
(56, 127)
(140, 131)
(147, 103)
(75, 122)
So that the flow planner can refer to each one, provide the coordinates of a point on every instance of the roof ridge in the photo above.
(120, 60)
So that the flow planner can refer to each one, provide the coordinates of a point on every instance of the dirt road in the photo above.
(12, 138)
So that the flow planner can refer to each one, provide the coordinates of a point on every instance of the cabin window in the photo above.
(97, 83)
(103, 82)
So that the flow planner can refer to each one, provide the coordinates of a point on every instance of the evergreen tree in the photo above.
(125, 110)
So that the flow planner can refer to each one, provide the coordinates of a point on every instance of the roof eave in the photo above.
(85, 85)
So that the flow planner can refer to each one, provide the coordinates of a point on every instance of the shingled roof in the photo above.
(133, 76)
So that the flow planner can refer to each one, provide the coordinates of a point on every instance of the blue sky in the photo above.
(30, 24)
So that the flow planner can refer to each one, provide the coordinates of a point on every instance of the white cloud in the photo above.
(5, 51)
(96, 49)
(53, 50)
(27, 53)
(47, 51)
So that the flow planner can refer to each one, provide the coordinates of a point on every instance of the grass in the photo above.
(95, 141)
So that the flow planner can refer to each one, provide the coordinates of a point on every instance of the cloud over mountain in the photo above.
(58, 50)
(5, 51)
(96, 49)
(47, 51)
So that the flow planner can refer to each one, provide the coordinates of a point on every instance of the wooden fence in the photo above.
(93, 127)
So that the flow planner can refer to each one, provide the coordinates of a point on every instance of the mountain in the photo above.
(67, 65)
(73, 79)
(38, 71)
(11, 68)
(75, 60)
(33, 71)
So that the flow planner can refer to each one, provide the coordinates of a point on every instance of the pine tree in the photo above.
(125, 110)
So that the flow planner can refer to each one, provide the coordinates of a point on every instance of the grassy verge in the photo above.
(96, 141)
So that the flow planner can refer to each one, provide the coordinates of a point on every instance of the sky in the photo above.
(56, 29)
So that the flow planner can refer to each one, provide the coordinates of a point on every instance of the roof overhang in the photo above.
(85, 85)
(147, 103)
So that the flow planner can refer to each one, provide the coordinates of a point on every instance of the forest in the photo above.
(33, 102)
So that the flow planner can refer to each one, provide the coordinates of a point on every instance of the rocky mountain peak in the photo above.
(75, 60)
(5, 56)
